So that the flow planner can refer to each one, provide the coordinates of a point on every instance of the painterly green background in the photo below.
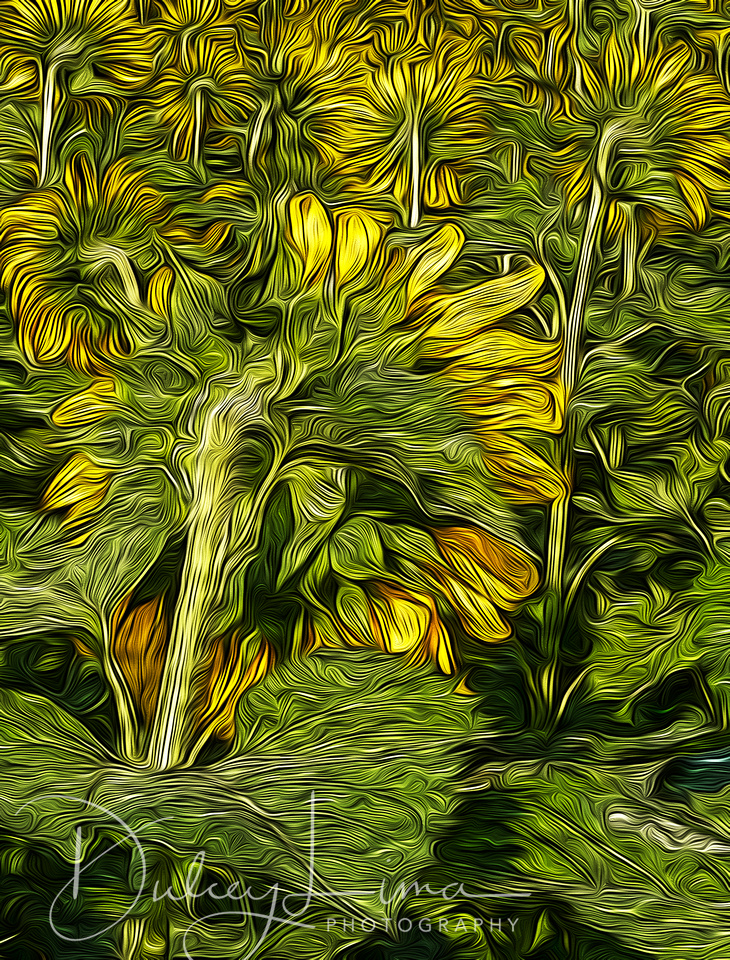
(364, 505)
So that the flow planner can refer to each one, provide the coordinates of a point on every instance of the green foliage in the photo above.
(364, 434)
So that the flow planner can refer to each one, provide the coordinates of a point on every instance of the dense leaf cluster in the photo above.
(364, 429)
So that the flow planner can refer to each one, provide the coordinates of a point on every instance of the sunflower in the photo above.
(207, 86)
(505, 384)
(97, 43)
(404, 129)
(90, 226)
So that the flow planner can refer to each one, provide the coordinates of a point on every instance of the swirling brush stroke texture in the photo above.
(364, 436)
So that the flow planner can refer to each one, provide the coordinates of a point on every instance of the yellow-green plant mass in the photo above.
(364, 491)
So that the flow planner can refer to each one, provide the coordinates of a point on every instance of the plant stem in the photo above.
(103, 253)
(556, 544)
(630, 253)
(215, 544)
(122, 698)
(415, 173)
(559, 515)
(642, 28)
(573, 331)
(206, 548)
(256, 135)
(198, 131)
(49, 96)
(515, 171)
(577, 307)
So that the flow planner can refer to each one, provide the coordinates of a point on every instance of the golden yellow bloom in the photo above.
(498, 569)
(473, 574)
(95, 41)
(138, 637)
(208, 87)
(79, 487)
(456, 320)
(89, 406)
(159, 292)
(505, 381)
(405, 127)
(395, 619)
(663, 128)
(234, 668)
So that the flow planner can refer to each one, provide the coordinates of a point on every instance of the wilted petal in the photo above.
(453, 319)
(359, 234)
(310, 235)
(523, 475)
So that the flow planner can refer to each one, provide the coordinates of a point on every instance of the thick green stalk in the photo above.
(559, 515)
(556, 544)
(222, 538)
(573, 333)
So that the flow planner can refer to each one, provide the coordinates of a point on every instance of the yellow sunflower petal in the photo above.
(310, 235)
(359, 234)
(481, 356)
(403, 621)
(525, 477)
(232, 672)
(138, 647)
(501, 570)
(429, 260)
(452, 319)
(517, 403)
(80, 484)
(87, 407)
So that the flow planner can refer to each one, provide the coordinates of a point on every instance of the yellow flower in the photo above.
(663, 142)
(208, 87)
(388, 616)
(405, 128)
(504, 380)
(89, 406)
(89, 38)
(138, 638)
(79, 488)
(49, 237)
(469, 572)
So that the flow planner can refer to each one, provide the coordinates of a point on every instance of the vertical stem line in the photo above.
(556, 545)
(49, 96)
(123, 701)
(415, 172)
(585, 265)
(559, 514)
(198, 130)
(209, 548)
(630, 253)
(574, 328)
